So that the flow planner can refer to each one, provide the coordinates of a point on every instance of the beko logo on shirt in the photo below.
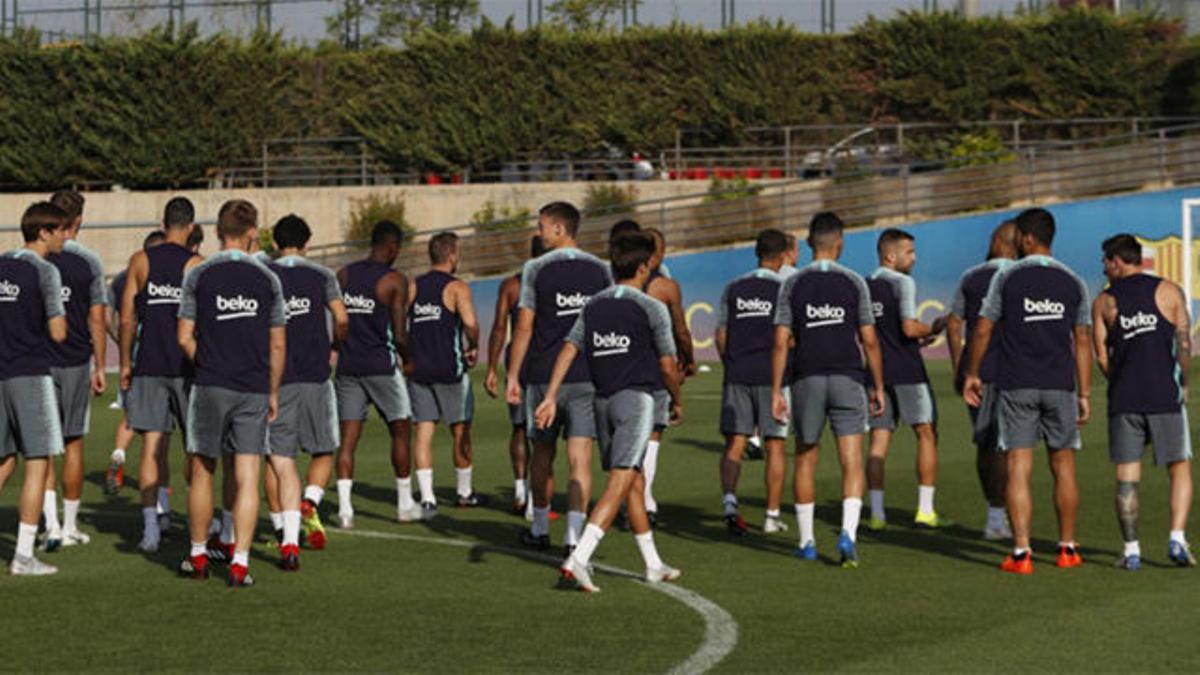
(66, 294)
(9, 292)
(1043, 310)
(297, 306)
(570, 304)
(752, 307)
(609, 344)
(824, 315)
(163, 294)
(358, 304)
(237, 307)
(426, 312)
(1137, 324)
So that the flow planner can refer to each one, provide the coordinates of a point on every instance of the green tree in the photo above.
(398, 19)
(586, 15)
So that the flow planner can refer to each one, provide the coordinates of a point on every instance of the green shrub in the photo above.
(721, 189)
(370, 210)
(492, 219)
(609, 199)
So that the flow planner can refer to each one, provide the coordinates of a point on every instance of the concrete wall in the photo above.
(327, 209)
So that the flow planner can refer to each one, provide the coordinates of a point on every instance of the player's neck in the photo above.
(566, 242)
(1127, 272)
(291, 251)
(241, 244)
(446, 268)
(381, 257)
(176, 235)
(634, 282)
(774, 265)
(1040, 250)
(40, 248)
(825, 256)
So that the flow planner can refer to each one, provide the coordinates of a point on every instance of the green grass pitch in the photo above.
(402, 601)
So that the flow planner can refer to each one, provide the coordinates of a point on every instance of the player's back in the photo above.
(972, 288)
(158, 353)
(307, 290)
(892, 301)
(748, 314)
(1143, 375)
(368, 349)
(237, 299)
(624, 332)
(27, 284)
(825, 304)
(435, 332)
(556, 286)
(1040, 301)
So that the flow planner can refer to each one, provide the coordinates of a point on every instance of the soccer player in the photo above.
(909, 396)
(443, 336)
(307, 410)
(232, 327)
(554, 289)
(745, 338)
(158, 382)
(990, 463)
(826, 308)
(76, 367)
(498, 347)
(625, 336)
(369, 365)
(114, 477)
(665, 290)
(1141, 331)
(31, 315)
(1041, 309)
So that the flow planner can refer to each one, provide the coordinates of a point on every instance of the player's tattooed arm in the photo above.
(1172, 298)
(1103, 312)
(465, 306)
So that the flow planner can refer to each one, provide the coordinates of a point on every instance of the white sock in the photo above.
(925, 498)
(773, 513)
(50, 510)
(804, 522)
(462, 478)
(996, 516)
(276, 520)
(649, 469)
(645, 543)
(425, 483)
(588, 543)
(227, 535)
(150, 522)
(529, 508)
(291, 527)
(1177, 536)
(1018, 552)
(730, 502)
(241, 558)
(404, 500)
(164, 500)
(199, 548)
(1068, 544)
(26, 534)
(877, 504)
(71, 515)
(575, 521)
(541, 521)
(756, 440)
(314, 494)
(344, 487)
(851, 510)
(520, 486)
(1133, 548)
(118, 455)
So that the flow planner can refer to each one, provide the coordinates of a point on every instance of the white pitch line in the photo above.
(720, 629)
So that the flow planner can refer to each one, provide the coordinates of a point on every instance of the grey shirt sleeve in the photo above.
(187, 303)
(783, 305)
(98, 289)
(993, 303)
(958, 307)
(906, 288)
(332, 290)
(51, 283)
(660, 326)
(528, 296)
(278, 304)
(723, 308)
(577, 334)
(1083, 313)
(866, 313)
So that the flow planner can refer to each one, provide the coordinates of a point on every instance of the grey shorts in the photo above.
(387, 393)
(624, 422)
(1129, 434)
(1029, 416)
(516, 415)
(838, 398)
(911, 404)
(746, 407)
(307, 420)
(225, 421)
(985, 428)
(157, 403)
(449, 403)
(576, 416)
(662, 409)
(28, 423)
(73, 387)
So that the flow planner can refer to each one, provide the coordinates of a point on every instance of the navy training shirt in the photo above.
(82, 288)
(622, 332)
(369, 348)
(235, 301)
(156, 350)
(968, 300)
(893, 301)
(435, 332)
(1037, 301)
(747, 313)
(556, 286)
(1143, 373)
(308, 288)
(30, 295)
(824, 304)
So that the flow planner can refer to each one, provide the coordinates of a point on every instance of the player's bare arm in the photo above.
(874, 353)
(779, 354)
(1104, 312)
(668, 291)
(278, 344)
(547, 409)
(506, 297)
(972, 385)
(135, 282)
(1083, 371)
(341, 321)
(522, 334)
(394, 290)
(462, 303)
(671, 377)
(1173, 304)
(187, 338)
